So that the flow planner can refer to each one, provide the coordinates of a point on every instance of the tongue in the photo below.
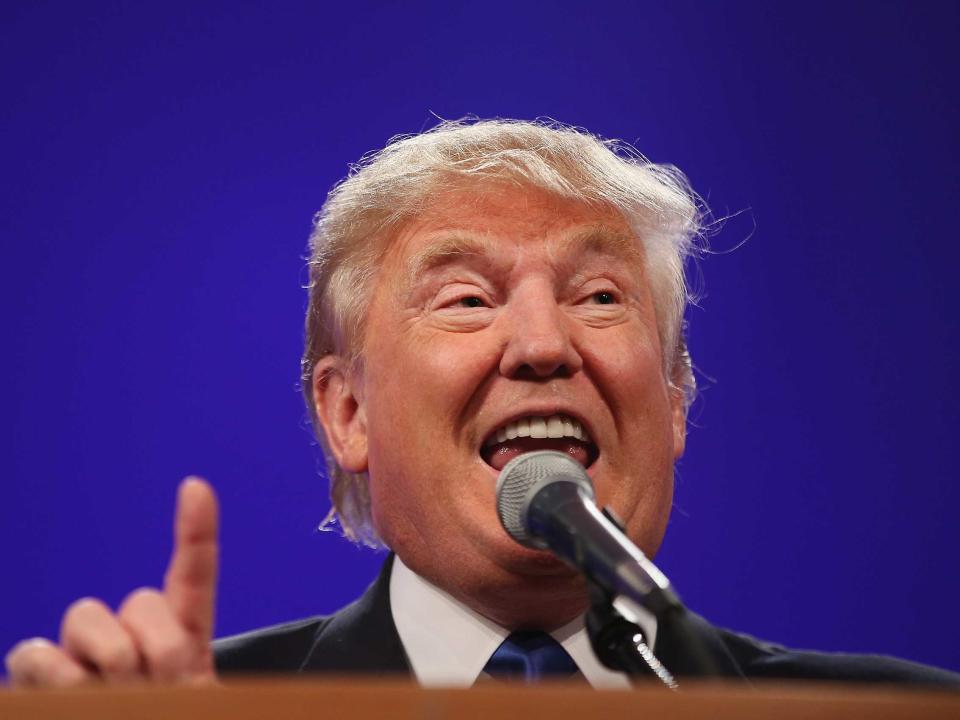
(500, 454)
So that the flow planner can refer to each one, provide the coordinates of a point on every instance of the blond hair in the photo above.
(388, 187)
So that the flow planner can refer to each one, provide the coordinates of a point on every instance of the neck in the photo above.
(533, 610)
(519, 601)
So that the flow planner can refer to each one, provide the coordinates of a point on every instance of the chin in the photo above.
(514, 566)
(546, 598)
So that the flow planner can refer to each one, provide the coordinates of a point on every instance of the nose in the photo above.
(539, 345)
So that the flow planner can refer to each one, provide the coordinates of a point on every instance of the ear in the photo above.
(341, 412)
(682, 379)
(678, 412)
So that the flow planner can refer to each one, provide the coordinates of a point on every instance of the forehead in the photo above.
(483, 222)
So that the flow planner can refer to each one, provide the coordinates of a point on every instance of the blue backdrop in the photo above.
(160, 168)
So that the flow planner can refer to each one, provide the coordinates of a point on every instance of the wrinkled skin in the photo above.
(490, 305)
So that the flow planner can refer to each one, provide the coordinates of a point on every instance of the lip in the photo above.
(543, 411)
(591, 471)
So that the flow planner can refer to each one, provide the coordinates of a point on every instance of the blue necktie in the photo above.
(530, 656)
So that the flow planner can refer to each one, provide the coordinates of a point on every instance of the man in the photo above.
(478, 291)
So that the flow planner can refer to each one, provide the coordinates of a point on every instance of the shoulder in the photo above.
(765, 660)
(278, 648)
(359, 638)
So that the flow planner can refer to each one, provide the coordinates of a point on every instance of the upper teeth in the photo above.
(554, 426)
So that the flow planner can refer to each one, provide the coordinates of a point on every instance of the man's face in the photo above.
(498, 310)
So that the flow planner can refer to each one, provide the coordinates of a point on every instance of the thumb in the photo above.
(190, 584)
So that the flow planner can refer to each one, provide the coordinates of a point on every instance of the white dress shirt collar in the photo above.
(448, 644)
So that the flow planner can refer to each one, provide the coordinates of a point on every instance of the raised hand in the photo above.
(156, 635)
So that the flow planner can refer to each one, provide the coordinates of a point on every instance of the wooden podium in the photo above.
(357, 699)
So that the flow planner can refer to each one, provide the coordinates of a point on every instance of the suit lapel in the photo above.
(676, 658)
(361, 638)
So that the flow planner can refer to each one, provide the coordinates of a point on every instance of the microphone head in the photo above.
(520, 481)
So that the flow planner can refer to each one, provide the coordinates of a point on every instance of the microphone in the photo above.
(545, 500)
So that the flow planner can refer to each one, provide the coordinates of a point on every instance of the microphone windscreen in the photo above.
(522, 478)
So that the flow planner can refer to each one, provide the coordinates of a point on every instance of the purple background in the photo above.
(160, 168)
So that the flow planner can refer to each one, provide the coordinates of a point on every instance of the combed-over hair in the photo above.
(389, 187)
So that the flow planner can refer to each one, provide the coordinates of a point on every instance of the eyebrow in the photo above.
(597, 239)
(445, 252)
(601, 240)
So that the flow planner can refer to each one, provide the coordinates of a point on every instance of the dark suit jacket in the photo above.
(362, 638)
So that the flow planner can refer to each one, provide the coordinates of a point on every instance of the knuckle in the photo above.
(140, 599)
(38, 662)
(82, 609)
(67, 675)
(25, 655)
(85, 626)
(118, 657)
(169, 659)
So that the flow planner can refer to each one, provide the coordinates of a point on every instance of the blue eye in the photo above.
(471, 302)
(604, 298)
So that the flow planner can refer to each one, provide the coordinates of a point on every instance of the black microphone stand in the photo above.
(620, 645)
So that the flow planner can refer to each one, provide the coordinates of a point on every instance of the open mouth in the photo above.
(534, 432)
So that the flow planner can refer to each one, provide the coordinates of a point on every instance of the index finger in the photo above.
(191, 581)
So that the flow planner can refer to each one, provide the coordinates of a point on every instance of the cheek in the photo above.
(640, 481)
(431, 379)
(418, 395)
(630, 374)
